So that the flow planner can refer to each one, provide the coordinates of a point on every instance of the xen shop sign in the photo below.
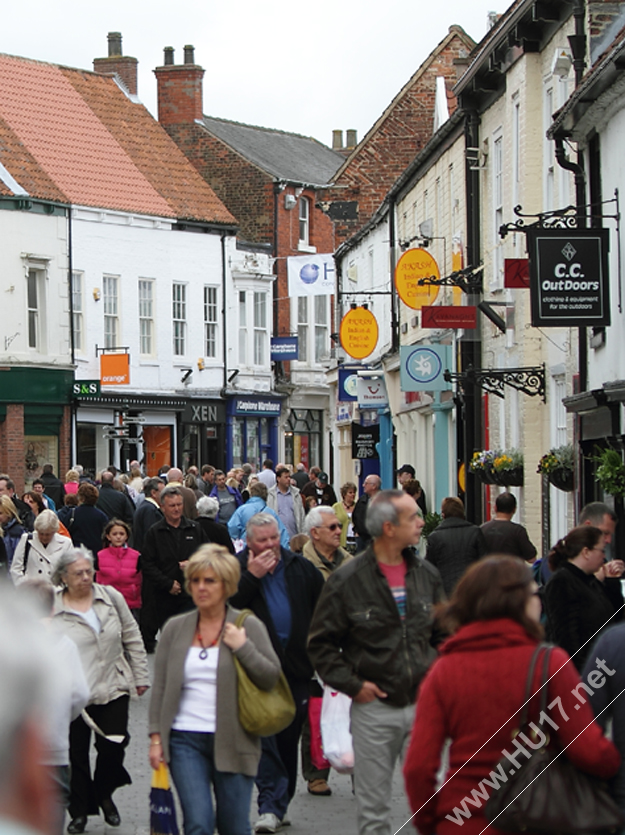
(569, 277)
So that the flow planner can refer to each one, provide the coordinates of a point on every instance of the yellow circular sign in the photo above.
(413, 265)
(359, 333)
(462, 478)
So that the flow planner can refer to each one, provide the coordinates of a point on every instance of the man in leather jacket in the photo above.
(371, 638)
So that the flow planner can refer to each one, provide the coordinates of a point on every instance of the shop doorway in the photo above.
(157, 448)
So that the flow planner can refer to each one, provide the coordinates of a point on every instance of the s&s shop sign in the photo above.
(569, 277)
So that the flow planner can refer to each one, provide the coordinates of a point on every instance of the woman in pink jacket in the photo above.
(117, 564)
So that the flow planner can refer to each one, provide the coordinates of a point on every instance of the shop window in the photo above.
(303, 437)
(210, 322)
(179, 317)
(110, 285)
(77, 311)
(146, 317)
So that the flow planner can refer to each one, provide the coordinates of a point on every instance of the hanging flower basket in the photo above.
(508, 469)
(510, 478)
(562, 478)
(485, 476)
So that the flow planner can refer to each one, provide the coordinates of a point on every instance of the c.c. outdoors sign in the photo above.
(569, 277)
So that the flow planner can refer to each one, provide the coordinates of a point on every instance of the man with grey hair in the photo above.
(285, 499)
(28, 694)
(282, 589)
(371, 639)
(371, 487)
(167, 547)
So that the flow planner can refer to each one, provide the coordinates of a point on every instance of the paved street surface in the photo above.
(309, 815)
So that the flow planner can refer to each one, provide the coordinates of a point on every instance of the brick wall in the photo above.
(401, 133)
(12, 451)
(65, 450)
(179, 94)
(123, 65)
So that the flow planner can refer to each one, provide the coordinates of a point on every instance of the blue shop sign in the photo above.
(259, 406)
(422, 367)
(284, 348)
(348, 385)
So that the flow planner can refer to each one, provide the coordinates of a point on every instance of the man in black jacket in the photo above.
(282, 590)
(371, 487)
(454, 544)
(114, 503)
(148, 513)
(371, 639)
(167, 547)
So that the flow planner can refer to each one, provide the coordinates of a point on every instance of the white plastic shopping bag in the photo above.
(335, 733)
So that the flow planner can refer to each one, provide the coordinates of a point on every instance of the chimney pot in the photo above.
(115, 44)
(337, 140)
(188, 54)
(352, 139)
(168, 59)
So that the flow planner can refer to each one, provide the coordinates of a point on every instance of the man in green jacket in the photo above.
(371, 639)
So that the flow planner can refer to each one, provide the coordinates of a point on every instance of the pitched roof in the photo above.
(285, 156)
(73, 136)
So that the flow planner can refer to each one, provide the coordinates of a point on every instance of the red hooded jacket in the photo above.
(117, 567)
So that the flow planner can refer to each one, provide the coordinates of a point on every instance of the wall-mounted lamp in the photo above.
(200, 364)
(97, 295)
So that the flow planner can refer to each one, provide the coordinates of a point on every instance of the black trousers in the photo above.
(87, 792)
(157, 607)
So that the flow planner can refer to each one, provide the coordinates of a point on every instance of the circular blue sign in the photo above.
(309, 273)
(424, 365)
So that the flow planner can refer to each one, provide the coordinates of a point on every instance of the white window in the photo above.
(302, 329)
(322, 345)
(242, 327)
(516, 148)
(33, 294)
(210, 321)
(260, 328)
(179, 316)
(146, 317)
(110, 284)
(77, 312)
(550, 162)
(304, 220)
(497, 277)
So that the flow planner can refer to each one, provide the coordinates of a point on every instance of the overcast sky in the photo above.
(278, 63)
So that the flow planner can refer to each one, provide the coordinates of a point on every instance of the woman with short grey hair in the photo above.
(207, 510)
(37, 554)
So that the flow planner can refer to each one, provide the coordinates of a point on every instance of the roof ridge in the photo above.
(265, 129)
(53, 64)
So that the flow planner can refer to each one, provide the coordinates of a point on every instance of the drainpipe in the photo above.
(393, 264)
(72, 335)
(223, 313)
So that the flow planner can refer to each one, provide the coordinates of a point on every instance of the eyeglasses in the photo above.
(333, 527)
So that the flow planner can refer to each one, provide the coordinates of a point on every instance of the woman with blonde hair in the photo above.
(193, 723)
(11, 527)
(72, 480)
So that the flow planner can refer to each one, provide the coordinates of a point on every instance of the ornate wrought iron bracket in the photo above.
(469, 280)
(529, 380)
(566, 218)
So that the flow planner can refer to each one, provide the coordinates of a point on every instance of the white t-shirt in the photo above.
(197, 710)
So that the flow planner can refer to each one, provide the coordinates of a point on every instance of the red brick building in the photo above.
(363, 180)
(270, 180)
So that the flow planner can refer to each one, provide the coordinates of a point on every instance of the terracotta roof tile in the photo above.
(24, 169)
(154, 153)
(85, 139)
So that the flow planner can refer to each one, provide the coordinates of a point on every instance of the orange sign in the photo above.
(359, 333)
(413, 265)
(114, 369)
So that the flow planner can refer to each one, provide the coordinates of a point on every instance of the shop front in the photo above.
(203, 434)
(252, 430)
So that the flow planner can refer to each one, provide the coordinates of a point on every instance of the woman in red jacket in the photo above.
(117, 564)
(473, 691)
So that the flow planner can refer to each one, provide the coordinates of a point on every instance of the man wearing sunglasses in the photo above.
(323, 548)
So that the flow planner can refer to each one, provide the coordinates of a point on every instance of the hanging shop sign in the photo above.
(569, 277)
(412, 266)
(372, 393)
(516, 273)
(422, 367)
(359, 332)
(114, 369)
(449, 316)
(311, 275)
(365, 440)
(348, 385)
(284, 348)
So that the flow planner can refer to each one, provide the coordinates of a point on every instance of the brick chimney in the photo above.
(123, 65)
(179, 89)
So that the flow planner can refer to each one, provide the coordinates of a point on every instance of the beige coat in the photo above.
(42, 559)
(310, 553)
(115, 662)
(235, 750)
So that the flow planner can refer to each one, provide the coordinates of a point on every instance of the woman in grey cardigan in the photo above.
(194, 721)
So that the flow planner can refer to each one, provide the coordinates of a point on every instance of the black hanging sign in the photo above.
(569, 277)
(364, 440)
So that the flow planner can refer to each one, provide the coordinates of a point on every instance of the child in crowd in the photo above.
(118, 564)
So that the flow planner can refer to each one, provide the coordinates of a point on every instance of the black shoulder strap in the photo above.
(529, 690)
(29, 542)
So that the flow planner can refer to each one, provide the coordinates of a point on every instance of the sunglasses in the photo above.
(333, 527)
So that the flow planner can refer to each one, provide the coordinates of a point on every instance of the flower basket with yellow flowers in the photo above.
(559, 465)
(508, 468)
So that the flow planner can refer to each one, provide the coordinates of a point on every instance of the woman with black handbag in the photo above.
(474, 693)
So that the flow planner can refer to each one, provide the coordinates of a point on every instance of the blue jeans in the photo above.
(192, 766)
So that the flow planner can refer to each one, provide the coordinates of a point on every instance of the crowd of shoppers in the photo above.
(342, 593)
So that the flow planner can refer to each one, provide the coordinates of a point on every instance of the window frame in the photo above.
(304, 221)
(260, 328)
(211, 320)
(78, 317)
(110, 311)
(179, 322)
(148, 320)
(33, 313)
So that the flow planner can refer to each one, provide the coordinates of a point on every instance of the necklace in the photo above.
(204, 651)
